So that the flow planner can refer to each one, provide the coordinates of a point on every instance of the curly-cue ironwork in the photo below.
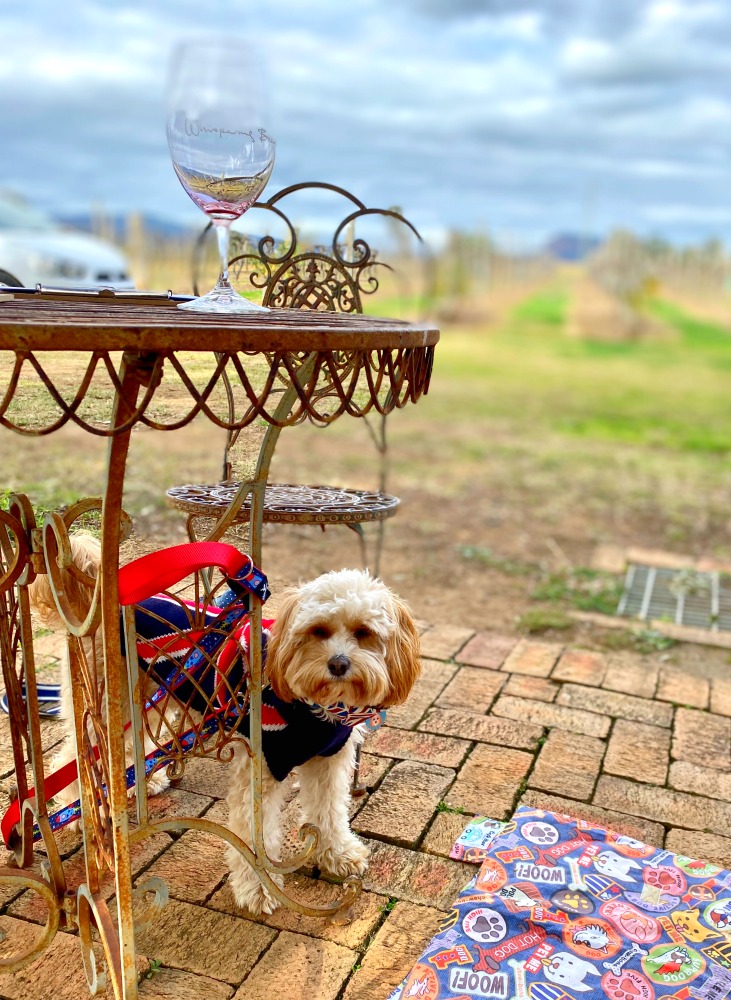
(315, 368)
(18, 560)
(353, 382)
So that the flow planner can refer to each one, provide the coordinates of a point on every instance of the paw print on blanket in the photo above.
(540, 833)
(628, 985)
(485, 925)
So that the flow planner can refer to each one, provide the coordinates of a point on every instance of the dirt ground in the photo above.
(487, 512)
(466, 547)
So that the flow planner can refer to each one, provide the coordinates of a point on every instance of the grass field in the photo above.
(532, 446)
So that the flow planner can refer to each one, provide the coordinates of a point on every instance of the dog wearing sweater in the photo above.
(342, 648)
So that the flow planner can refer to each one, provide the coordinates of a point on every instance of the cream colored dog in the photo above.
(342, 645)
(344, 639)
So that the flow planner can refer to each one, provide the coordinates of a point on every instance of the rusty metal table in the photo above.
(287, 367)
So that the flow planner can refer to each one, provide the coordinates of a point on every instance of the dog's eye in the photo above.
(362, 632)
(320, 632)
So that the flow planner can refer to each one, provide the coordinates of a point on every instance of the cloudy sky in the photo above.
(524, 117)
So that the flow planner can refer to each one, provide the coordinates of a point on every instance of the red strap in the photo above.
(139, 580)
(54, 784)
(158, 571)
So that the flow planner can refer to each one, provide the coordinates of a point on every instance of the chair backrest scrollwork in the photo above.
(332, 277)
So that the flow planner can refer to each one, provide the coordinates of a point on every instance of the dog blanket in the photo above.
(292, 732)
(563, 909)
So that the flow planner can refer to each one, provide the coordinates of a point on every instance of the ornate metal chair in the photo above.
(292, 275)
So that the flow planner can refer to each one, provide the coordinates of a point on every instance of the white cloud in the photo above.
(458, 110)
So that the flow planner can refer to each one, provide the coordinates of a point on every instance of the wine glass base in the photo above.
(222, 301)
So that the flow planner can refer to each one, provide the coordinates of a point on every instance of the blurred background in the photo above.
(567, 163)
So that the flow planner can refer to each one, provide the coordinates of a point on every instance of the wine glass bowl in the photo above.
(220, 143)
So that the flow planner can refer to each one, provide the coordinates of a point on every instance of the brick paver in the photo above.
(682, 688)
(404, 744)
(193, 867)
(630, 825)
(473, 689)
(663, 805)
(415, 877)
(404, 805)
(197, 939)
(299, 968)
(172, 984)
(443, 642)
(568, 765)
(700, 780)
(483, 728)
(534, 658)
(487, 650)
(631, 675)
(706, 846)
(639, 752)
(534, 688)
(30, 905)
(721, 696)
(443, 832)
(435, 676)
(619, 739)
(489, 780)
(407, 930)
(581, 666)
(56, 975)
(702, 738)
(539, 713)
(624, 706)
(364, 916)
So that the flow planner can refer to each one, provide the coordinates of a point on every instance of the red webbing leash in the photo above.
(139, 580)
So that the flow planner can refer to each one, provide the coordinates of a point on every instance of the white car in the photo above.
(34, 249)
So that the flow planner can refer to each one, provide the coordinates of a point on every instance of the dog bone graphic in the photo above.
(621, 960)
(521, 991)
(658, 859)
(577, 879)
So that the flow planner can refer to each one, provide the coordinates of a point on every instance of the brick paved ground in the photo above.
(494, 721)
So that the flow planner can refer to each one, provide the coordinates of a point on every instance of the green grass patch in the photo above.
(663, 393)
(583, 589)
(698, 334)
(444, 808)
(546, 308)
(645, 640)
(540, 620)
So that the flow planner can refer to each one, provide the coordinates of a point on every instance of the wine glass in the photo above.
(220, 143)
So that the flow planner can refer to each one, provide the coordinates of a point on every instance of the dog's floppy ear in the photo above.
(402, 655)
(281, 646)
(86, 555)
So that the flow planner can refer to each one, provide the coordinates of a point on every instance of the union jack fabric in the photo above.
(292, 732)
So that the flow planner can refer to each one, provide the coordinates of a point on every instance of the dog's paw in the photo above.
(250, 894)
(348, 858)
(157, 783)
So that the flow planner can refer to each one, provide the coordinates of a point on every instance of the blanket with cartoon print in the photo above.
(563, 909)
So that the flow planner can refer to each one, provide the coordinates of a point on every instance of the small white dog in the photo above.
(342, 647)
(341, 640)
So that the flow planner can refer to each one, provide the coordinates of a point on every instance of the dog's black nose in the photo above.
(338, 665)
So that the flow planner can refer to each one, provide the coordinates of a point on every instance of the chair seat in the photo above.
(285, 503)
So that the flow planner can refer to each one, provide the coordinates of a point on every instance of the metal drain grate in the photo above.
(686, 597)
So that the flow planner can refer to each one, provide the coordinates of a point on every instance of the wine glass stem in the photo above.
(222, 235)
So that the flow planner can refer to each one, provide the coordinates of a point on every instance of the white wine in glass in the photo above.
(220, 142)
